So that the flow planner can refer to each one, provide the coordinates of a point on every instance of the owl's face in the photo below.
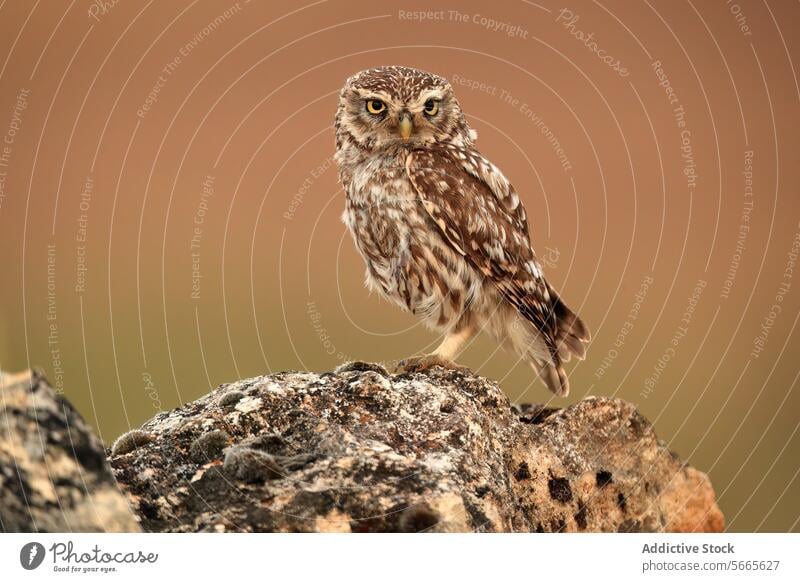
(390, 106)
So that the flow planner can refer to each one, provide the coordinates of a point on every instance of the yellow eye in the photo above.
(431, 107)
(376, 106)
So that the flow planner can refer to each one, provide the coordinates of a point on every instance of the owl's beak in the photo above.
(406, 125)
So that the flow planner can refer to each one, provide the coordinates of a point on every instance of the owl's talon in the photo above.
(425, 363)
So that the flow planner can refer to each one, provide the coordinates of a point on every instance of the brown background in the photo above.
(251, 105)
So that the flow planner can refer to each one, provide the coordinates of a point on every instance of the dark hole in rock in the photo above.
(148, 510)
(447, 407)
(523, 472)
(418, 518)
(603, 478)
(478, 519)
(560, 489)
(533, 413)
(580, 515)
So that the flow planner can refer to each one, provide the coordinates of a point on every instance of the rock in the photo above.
(362, 450)
(54, 476)
(130, 441)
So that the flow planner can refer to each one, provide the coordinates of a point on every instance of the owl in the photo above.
(443, 233)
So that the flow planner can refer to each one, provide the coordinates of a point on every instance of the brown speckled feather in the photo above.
(480, 215)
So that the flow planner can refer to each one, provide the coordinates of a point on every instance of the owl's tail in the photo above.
(572, 335)
(545, 354)
(553, 376)
(571, 338)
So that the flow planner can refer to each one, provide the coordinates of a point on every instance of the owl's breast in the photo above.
(407, 259)
(383, 216)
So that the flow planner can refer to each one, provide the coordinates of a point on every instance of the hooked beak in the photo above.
(406, 125)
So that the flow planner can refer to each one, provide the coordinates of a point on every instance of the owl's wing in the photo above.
(480, 215)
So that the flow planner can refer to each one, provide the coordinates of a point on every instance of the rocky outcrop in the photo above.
(362, 450)
(54, 476)
(354, 450)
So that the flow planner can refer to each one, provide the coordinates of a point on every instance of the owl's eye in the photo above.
(376, 106)
(431, 107)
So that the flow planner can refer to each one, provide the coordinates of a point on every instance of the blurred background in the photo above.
(170, 213)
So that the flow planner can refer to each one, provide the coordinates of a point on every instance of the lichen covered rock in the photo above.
(53, 471)
(361, 450)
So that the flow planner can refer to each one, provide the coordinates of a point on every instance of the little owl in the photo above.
(443, 233)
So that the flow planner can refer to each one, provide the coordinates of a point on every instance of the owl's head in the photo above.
(392, 105)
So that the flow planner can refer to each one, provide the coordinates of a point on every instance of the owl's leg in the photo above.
(453, 342)
(443, 355)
